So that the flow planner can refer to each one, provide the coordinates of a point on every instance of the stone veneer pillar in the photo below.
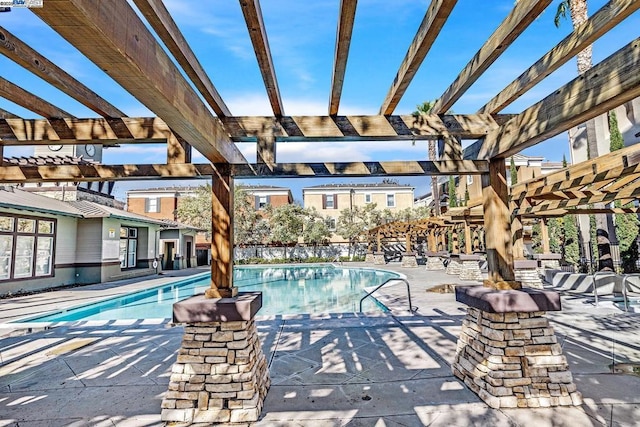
(378, 258)
(434, 262)
(369, 258)
(221, 373)
(470, 267)
(526, 272)
(455, 266)
(409, 259)
(507, 352)
(550, 261)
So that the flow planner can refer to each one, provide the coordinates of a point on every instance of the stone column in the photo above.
(547, 260)
(434, 262)
(409, 257)
(526, 272)
(455, 266)
(221, 373)
(378, 258)
(507, 352)
(470, 269)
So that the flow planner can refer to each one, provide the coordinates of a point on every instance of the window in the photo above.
(367, 198)
(262, 202)
(128, 247)
(329, 201)
(391, 200)
(469, 179)
(26, 247)
(152, 205)
(331, 223)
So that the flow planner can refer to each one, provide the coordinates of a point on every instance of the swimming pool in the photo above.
(285, 290)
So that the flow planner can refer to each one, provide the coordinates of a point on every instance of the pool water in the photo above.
(285, 290)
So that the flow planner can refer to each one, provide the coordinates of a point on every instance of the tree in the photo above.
(426, 108)
(286, 222)
(353, 223)
(616, 139)
(570, 246)
(579, 14)
(249, 226)
(453, 198)
(627, 225)
(315, 231)
(196, 210)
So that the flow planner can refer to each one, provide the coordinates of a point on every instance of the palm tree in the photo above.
(578, 12)
(425, 108)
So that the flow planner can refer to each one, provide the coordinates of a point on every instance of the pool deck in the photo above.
(328, 370)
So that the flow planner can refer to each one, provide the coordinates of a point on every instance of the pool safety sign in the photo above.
(21, 3)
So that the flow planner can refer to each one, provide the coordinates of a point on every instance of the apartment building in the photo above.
(330, 199)
(263, 196)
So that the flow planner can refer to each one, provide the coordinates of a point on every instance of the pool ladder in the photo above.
(411, 309)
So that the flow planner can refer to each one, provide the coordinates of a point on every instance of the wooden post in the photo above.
(455, 246)
(379, 241)
(497, 224)
(467, 239)
(517, 228)
(443, 239)
(476, 239)
(408, 242)
(544, 235)
(222, 237)
(431, 241)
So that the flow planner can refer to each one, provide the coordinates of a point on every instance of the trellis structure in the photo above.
(113, 36)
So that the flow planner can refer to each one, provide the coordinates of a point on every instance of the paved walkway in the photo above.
(332, 370)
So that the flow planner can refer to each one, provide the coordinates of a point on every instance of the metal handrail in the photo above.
(595, 285)
(625, 281)
(386, 282)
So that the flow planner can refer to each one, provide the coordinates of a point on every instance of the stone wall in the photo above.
(513, 360)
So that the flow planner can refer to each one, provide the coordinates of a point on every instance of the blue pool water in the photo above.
(285, 290)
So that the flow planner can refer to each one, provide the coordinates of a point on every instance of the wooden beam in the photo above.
(360, 169)
(22, 54)
(610, 83)
(497, 223)
(266, 151)
(29, 101)
(113, 36)
(523, 14)
(582, 211)
(433, 21)
(339, 128)
(70, 131)
(4, 114)
(257, 32)
(165, 27)
(343, 41)
(97, 172)
(609, 15)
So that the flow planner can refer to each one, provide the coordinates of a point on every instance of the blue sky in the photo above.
(302, 38)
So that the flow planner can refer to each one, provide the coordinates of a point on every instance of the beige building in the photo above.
(330, 199)
(527, 167)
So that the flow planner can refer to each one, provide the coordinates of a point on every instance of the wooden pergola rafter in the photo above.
(114, 37)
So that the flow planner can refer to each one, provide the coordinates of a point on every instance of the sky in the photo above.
(302, 40)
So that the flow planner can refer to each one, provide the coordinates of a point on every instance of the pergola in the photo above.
(113, 36)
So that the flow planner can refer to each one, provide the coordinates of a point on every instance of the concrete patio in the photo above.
(327, 370)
